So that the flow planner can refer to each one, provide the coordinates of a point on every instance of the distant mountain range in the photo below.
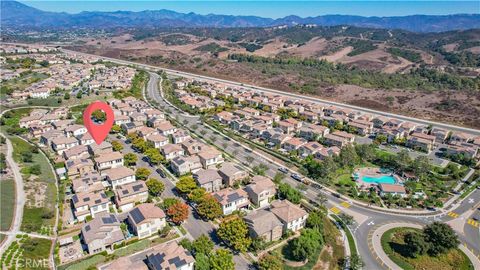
(17, 15)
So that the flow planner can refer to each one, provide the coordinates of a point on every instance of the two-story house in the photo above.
(146, 220)
(119, 176)
(232, 200)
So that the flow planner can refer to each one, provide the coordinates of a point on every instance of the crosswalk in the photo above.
(452, 214)
(474, 223)
(345, 204)
(335, 210)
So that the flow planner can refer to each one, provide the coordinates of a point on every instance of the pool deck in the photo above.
(358, 174)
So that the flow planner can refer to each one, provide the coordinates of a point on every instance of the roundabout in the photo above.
(382, 235)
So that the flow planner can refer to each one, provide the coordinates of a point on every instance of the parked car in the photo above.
(161, 172)
(297, 177)
(283, 170)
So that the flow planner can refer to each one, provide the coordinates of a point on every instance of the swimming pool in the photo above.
(384, 179)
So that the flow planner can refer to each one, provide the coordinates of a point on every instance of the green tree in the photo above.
(348, 156)
(154, 156)
(140, 144)
(203, 244)
(186, 184)
(315, 221)
(277, 179)
(366, 152)
(99, 116)
(380, 139)
(130, 159)
(403, 160)
(117, 146)
(66, 96)
(416, 244)
(421, 165)
(197, 195)
(116, 129)
(167, 202)
(306, 244)
(270, 262)
(285, 191)
(132, 136)
(222, 259)
(209, 208)
(79, 95)
(202, 262)
(155, 187)
(142, 173)
(441, 237)
(235, 233)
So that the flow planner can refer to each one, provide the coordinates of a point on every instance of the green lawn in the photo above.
(394, 246)
(7, 193)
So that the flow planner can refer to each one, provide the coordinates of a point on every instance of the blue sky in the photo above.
(272, 9)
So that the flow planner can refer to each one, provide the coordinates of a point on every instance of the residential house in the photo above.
(62, 143)
(263, 224)
(146, 220)
(232, 200)
(310, 148)
(208, 179)
(171, 151)
(461, 137)
(231, 173)
(119, 176)
(90, 182)
(170, 255)
(261, 190)
(109, 161)
(292, 216)
(102, 233)
(361, 127)
(313, 132)
(75, 130)
(126, 196)
(180, 136)
(79, 151)
(157, 140)
(421, 141)
(440, 134)
(85, 139)
(185, 164)
(294, 144)
(210, 157)
(89, 204)
(166, 128)
(79, 166)
(339, 138)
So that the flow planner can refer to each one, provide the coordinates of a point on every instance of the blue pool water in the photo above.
(384, 179)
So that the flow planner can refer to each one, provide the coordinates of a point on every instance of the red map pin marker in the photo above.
(98, 131)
